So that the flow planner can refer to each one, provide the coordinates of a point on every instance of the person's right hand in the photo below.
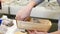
(23, 13)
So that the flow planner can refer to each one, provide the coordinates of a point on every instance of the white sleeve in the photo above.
(38, 1)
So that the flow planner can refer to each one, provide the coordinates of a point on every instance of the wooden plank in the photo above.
(44, 25)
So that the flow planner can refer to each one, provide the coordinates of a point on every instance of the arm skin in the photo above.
(2, 1)
(35, 32)
(25, 12)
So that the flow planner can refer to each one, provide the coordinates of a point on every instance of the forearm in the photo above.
(33, 3)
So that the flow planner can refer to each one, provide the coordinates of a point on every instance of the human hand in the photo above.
(23, 13)
(36, 32)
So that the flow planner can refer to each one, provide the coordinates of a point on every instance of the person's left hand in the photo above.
(36, 32)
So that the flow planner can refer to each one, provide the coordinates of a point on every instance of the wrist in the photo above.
(34, 3)
(31, 4)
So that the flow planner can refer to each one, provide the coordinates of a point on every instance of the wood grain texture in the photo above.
(44, 25)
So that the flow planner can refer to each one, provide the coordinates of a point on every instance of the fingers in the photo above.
(23, 19)
(40, 33)
(27, 18)
(19, 17)
(35, 32)
(31, 32)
